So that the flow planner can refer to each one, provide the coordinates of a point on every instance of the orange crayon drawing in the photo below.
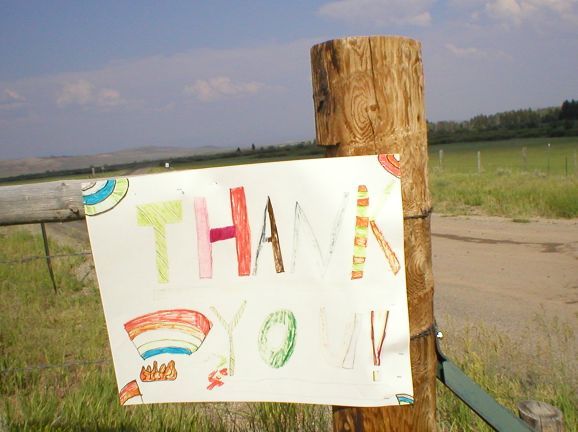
(385, 247)
(164, 373)
(391, 163)
(129, 391)
(216, 378)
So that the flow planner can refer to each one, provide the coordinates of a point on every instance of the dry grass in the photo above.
(543, 367)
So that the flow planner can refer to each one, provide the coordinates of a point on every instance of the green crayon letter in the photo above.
(277, 354)
(158, 215)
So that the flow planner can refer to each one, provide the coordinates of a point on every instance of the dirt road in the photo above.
(503, 273)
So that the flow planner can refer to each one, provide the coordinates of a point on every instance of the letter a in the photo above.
(274, 239)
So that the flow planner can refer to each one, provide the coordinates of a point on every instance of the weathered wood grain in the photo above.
(368, 95)
(541, 416)
(57, 201)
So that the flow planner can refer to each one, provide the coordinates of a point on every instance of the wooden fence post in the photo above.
(479, 159)
(549, 158)
(541, 417)
(368, 99)
(47, 254)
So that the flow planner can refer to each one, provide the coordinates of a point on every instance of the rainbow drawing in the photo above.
(404, 399)
(129, 391)
(103, 195)
(176, 331)
(391, 163)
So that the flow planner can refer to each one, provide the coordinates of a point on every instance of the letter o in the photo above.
(277, 357)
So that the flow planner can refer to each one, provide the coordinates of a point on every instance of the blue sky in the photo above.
(88, 77)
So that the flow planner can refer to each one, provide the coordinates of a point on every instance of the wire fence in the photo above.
(48, 257)
(66, 365)
(43, 257)
(555, 160)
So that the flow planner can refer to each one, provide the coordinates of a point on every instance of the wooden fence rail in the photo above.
(57, 201)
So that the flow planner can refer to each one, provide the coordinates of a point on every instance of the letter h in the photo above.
(240, 231)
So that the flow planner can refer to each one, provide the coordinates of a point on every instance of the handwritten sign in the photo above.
(272, 282)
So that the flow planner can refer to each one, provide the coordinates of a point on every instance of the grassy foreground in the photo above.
(510, 194)
(40, 331)
(512, 370)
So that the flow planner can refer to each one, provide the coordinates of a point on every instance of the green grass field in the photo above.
(545, 184)
(57, 374)
(500, 156)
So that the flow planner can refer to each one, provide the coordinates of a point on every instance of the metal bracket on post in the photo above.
(490, 411)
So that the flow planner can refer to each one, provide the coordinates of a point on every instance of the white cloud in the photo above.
(10, 99)
(464, 52)
(476, 53)
(219, 87)
(83, 92)
(379, 12)
(76, 93)
(108, 98)
(13, 96)
(519, 11)
(144, 102)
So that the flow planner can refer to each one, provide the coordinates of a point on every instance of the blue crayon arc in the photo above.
(404, 399)
(166, 350)
(100, 194)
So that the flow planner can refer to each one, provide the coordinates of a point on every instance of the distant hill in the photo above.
(18, 167)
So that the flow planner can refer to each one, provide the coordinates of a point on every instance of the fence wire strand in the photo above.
(43, 257)
(53, 366)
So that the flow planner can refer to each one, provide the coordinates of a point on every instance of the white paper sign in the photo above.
(272, 282)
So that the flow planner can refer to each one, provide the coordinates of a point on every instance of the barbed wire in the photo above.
(53, 366)
(43, 257)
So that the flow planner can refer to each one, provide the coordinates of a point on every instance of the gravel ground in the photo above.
(505, 273)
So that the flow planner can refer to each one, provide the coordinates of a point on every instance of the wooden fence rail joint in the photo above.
(427, 213)
(428, 331)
